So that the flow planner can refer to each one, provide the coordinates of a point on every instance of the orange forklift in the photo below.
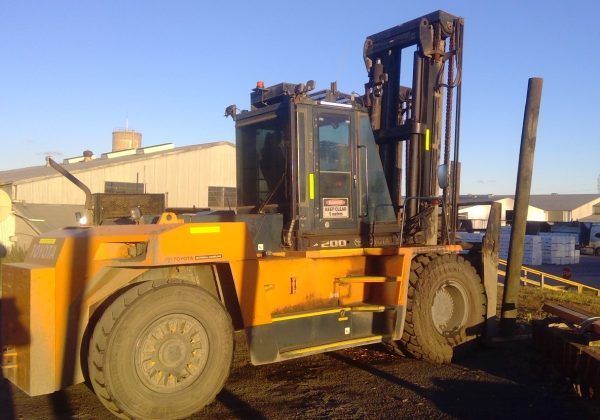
(343, 236)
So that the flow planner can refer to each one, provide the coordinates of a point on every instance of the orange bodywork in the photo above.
(300, 281)
(48, 299)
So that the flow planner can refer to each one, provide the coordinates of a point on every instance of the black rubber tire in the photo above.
(161, 350)
(597, 252)
(434, 331)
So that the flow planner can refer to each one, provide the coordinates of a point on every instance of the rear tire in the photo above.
(161, 350)
(445, 308)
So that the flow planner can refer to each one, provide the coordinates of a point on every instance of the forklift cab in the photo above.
(313, 159)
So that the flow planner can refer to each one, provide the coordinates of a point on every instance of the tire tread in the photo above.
(101, 335)
(410, 342)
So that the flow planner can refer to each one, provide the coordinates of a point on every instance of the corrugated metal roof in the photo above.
(564, 202)
(34, 172)
(547, 202)
(481, 198)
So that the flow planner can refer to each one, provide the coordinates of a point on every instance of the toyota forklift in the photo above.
(343, 236)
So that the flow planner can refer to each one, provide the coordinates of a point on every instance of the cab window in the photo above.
(334, 155)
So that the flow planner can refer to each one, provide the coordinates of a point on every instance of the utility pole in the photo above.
(508, 318)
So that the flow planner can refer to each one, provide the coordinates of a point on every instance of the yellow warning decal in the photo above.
(311, 186)
(47, 241)
(195, 230)
(427, 140)
(278, 318)
(337, 344)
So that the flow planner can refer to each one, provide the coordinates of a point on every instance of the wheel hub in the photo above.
(449, 308)
(171, 353)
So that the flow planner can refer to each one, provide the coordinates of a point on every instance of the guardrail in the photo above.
(532, 277)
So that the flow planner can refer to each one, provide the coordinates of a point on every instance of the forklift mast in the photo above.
(415, 118)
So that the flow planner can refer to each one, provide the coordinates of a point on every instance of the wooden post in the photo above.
(508, 319)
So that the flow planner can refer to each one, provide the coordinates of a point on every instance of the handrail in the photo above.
(542, 279)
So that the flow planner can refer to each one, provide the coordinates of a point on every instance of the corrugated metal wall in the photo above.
(184, 175)
(7, 230)
(558, 216)
(479, 214)
(585, 210)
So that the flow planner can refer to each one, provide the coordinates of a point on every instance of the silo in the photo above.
(126, 139)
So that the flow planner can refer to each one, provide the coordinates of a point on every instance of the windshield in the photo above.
(262, 160)
(334, 155)
(379, 201)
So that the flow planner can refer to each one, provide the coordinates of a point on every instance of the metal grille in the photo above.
(114, 187)
(110, 206)
(222, 197)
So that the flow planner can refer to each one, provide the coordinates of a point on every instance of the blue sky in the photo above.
(72, 71)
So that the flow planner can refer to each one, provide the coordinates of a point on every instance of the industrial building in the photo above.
(542, 208)
(187, 175)
(201, 175)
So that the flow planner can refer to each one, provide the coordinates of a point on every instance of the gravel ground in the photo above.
(505, 380)
(501, 381)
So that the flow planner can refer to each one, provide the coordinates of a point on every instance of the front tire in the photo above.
(445, 309)
(162, 349)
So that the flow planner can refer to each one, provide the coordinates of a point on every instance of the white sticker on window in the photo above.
(335, 208)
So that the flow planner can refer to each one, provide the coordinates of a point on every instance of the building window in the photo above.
(124, 187)
(222, 197)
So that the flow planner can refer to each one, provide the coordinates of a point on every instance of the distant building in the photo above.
(594, 217)
(42, 199)
(542, 207)
(188, 175)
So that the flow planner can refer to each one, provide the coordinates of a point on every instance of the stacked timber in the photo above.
(532, 247)
(559, 248)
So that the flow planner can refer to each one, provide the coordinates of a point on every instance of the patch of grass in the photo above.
(531, 300)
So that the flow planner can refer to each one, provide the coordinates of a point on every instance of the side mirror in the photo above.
(443, 176)
(597, 235)
(231, 111)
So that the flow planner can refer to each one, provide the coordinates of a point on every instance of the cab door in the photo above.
(335, 151)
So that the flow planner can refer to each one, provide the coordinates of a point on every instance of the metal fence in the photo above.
(531, 277)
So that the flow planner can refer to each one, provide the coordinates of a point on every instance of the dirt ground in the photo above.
(503, 380)
(499, 381)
